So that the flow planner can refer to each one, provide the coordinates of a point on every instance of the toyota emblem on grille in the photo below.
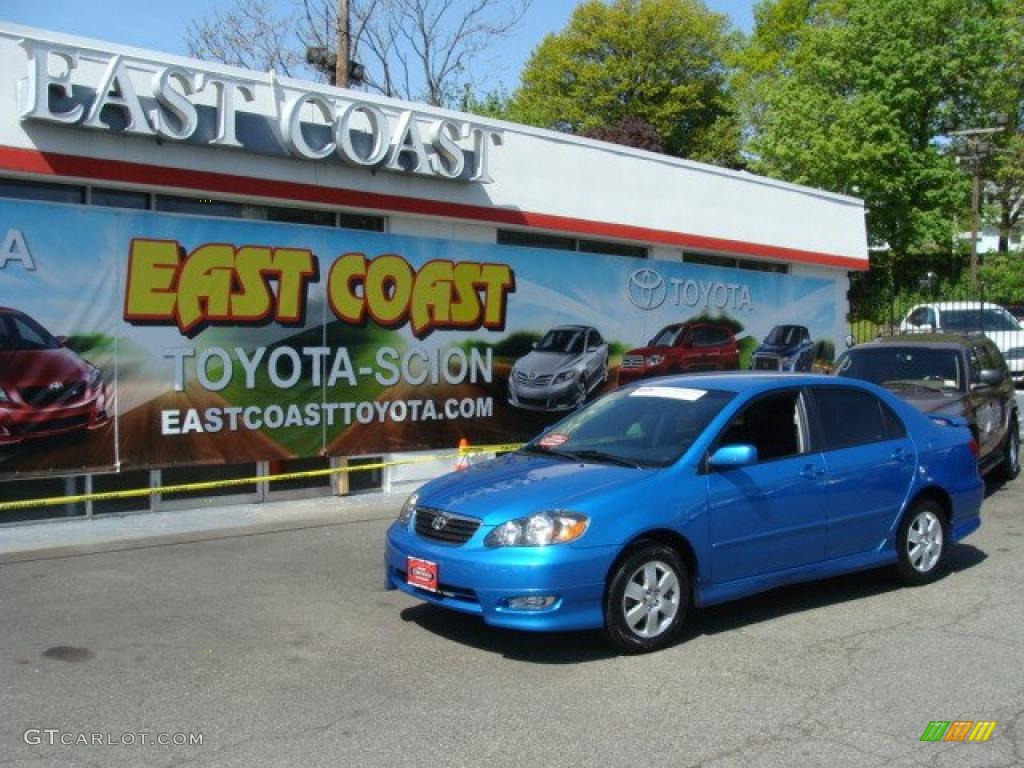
(55, 386)
(439, 522)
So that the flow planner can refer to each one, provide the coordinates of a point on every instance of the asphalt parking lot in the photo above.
(279, 647)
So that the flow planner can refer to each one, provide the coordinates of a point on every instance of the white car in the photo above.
(561, 371)
(972, 317)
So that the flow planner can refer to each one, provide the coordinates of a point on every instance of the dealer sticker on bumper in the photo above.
(421, 573)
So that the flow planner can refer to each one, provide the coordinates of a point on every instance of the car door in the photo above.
(985, 400)
(769, 516)
(870, 461)
(594, 361)
(707, 352)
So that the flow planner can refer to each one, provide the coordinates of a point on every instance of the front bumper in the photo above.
(19, 423)
(548, 397)
(480, 580)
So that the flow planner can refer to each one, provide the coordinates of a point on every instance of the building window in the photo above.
(563, 243)
(728, 262)
(42, 191)
(361, 221)
(119, 198)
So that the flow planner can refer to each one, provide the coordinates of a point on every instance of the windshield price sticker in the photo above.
(553, 440)
(671, 393)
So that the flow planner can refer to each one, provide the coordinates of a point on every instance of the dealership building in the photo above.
(210, 250)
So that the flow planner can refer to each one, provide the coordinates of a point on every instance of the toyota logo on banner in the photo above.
(647, 289)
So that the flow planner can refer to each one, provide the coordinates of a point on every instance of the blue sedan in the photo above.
(689, 491)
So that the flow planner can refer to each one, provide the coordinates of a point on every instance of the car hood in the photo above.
(545, 363)
(518, 484)
(782, 350)
(932, 402)
(38, 368)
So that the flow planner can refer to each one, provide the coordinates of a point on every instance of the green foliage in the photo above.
(659, 61)
(90, 343)
(857, 97)
(493, 104)
(726, 320)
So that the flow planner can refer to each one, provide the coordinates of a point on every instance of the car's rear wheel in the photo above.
(921, 543)
(647, 599)
(1009, 467)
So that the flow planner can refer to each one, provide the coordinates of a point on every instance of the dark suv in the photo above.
(943, 375)
(785, 348)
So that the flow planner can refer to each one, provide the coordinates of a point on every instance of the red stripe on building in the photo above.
(28, 161)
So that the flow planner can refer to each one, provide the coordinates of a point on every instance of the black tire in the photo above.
(661, 613)
(1009, 467)
(922, 543)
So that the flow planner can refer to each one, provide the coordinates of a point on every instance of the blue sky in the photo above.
(161, 26)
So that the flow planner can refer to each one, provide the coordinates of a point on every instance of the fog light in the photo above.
(531, 602)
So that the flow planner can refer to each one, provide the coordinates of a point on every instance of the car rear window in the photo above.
(851, 417)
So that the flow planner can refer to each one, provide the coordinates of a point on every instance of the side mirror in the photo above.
(62, 340)
(850, 341)
(533, 345)
(990, 377)
(733, 456)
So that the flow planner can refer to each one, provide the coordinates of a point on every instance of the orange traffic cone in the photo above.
(463, 461)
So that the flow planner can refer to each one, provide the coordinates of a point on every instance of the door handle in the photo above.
(901, 454)
(811, 472)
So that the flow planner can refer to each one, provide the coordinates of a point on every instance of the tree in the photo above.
(859, 102)
(630, 132)
(659, 61)
(411, 49)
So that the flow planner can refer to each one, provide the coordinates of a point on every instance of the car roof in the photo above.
(750, 381)
(571, 328)
(946, 305)
(924, 341)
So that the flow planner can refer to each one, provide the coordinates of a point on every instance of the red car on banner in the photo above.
(45, 388)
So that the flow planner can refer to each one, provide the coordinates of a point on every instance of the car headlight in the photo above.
(564, 376)
(539, 530)
(655, 359)
(95, 377)
(405, 515)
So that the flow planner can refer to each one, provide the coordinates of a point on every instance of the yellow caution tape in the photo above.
(211, 484)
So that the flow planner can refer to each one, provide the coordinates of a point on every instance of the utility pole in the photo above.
(341, 65)
(978, 147)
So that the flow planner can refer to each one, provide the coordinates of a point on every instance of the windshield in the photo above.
(938, 369)
(668, 336)
(639, 426)
(995, 319)
(784, 335)
(20, 333)
(567, 341)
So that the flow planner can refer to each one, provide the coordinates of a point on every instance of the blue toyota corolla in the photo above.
(689, 490)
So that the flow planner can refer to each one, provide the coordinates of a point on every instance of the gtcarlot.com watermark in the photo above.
(57, 737)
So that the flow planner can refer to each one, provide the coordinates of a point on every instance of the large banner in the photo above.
(137, 339)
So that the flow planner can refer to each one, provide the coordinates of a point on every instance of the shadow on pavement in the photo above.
(577, 647)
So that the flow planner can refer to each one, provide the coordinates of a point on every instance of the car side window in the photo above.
(975, 363)
(773, 424)
(700, 337)
(594, 341)
(718, 335)
(851, 417)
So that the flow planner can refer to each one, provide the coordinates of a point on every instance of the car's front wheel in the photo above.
(921, 543)
(647, 599)
(1009, 467)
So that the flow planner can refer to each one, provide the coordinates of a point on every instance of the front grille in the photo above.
(53, 425)
(536, 381)
(456, 530)
(52, 395)
(633, 361)
(766, 363)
